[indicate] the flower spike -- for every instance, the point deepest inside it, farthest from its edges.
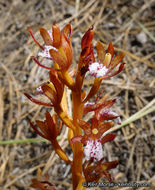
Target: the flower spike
(86, 139)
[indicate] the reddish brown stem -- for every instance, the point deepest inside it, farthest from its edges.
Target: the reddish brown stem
(77, 147)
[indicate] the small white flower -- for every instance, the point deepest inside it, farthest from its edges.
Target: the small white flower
(93, 149)
(45, 53)
(97, 70)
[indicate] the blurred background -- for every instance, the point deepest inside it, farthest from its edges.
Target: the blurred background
(130, 26)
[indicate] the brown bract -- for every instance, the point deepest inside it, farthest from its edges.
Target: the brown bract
(49, 128)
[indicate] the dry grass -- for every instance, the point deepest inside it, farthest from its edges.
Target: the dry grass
(130, 26)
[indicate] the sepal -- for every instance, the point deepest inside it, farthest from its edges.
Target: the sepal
(87, 38)
(49, 129)
(42, 182)
(34, 100)
(56, 35)
(94, 171)
(108, 138)
(46, 36)
(31, 33)
(111, 50)
(100, 52)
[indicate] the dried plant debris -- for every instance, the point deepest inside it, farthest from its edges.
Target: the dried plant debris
(116, 21)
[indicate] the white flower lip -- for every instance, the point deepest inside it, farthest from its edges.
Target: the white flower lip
(93, 149)
(97, 70)
(39, 91)
(89, 104)
(45, 53)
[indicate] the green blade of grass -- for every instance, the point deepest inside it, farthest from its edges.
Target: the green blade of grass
(25, 141)
(146, 110)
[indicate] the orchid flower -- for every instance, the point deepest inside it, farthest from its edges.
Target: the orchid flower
(86, 140)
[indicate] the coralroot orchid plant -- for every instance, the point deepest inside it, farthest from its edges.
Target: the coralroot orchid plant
(85, 139)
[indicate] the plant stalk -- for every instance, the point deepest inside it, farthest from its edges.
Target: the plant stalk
(77, 147)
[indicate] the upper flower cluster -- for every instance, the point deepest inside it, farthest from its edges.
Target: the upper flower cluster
(58, 46)
(106, 62)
